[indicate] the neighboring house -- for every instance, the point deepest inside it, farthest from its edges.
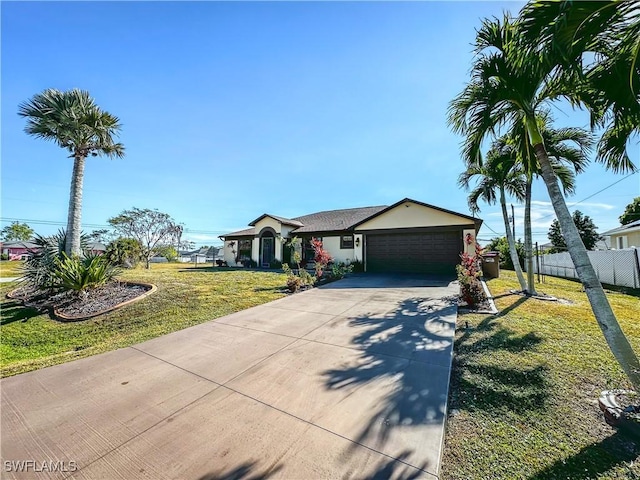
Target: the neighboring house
(625, 236)
(408, 236)
(201, 255)
(18, 250)
(96, 248)
(23, 250)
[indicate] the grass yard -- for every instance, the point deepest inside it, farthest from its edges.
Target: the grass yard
(10, 269)
(186, 296)
(525, 384)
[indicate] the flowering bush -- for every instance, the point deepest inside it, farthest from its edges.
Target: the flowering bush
(321, 258)
(469, 273)
(302, 278)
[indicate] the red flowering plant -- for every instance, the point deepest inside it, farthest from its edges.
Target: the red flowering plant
(321, 256)
(469, 273)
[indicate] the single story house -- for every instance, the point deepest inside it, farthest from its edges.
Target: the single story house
(18, 250)
(625, 236)
(408, 236)
(201, 255)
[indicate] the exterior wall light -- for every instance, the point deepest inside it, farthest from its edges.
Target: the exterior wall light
(357, 241)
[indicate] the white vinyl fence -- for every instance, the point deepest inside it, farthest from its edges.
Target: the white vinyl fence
(613, 267)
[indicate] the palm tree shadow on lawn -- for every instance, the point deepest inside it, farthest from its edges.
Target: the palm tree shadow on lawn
(16, 312)
(594, 459)
(494, 388)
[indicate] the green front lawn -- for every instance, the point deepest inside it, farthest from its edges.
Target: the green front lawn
(525, 384)
(186, 296)
(10, 269)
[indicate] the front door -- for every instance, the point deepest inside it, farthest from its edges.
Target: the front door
(268, 250)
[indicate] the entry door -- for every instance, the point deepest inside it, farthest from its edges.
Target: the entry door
(268, 250)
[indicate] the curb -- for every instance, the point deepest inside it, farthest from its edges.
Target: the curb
(69, 318)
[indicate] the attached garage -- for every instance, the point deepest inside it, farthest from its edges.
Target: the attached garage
(415, 252)
(414, 237)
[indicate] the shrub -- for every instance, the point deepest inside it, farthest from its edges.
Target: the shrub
(297, 280)
(339, 269)
(40, 269)
(275, 264)
(357, 266)
(80, 274)
(321, 256)
(499, 244)
(125, 252)
(469, 277)
(4, 256)
(293, 283)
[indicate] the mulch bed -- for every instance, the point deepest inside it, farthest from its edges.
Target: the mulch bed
(78, 306)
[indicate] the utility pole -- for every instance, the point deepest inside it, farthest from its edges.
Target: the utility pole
(513, 222)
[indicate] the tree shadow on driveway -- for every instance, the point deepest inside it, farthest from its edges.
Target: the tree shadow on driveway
(410, 347)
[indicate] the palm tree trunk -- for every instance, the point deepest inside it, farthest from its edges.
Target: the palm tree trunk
(74, 219)
(512, 242)
(528, 243)
(607, 322)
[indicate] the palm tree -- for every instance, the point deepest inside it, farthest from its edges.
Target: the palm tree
(568, 150)
(607, 81)
(73, 121)
(501, 173)
(506, 90)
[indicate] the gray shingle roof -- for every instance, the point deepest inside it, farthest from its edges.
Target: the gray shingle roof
(247, 232)
(336, 220)
(629, 226)
(333, 220)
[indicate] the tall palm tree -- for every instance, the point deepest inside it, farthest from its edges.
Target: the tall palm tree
(501, 172)
(607, 80)
(72, 120)
(568, 150)
(506, 90)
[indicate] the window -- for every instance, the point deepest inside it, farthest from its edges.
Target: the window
(244, 249)
(308, 254)
(346, 241)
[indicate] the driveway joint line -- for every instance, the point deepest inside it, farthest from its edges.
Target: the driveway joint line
(295, 339)
(319, 342)
(177, 366)
(329, 431)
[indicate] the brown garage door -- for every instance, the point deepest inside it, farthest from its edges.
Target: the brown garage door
(426, 252)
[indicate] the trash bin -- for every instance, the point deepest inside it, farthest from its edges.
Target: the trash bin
(491, 264)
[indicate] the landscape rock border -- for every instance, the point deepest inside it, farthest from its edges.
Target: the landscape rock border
(76, 318)
(70, 318)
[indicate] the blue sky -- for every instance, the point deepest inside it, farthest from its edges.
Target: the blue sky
(230, 110)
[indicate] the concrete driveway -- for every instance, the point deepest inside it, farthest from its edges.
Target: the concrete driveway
(346, 380)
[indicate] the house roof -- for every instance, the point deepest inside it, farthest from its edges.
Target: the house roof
(285, 221)
(333, 220)
(338, 220)
(96, 246)
(629, 227)
(19, 244)
(247, 232)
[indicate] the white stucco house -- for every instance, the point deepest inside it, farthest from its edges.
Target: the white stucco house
(625, 236)
(408, 236)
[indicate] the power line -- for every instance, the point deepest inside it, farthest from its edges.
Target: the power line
(590, 196)
(58, 223)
